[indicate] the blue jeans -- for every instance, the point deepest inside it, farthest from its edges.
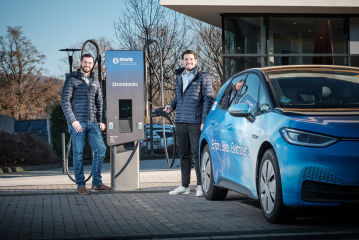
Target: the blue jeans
(92, 132)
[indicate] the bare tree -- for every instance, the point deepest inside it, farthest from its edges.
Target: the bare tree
(104, 43)
(209, 48)
(143, 20)
(23, 94)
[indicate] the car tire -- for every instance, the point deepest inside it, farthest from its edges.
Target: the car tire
(270, 190)
(210, 191)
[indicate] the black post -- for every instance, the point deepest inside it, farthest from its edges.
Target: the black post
(70, 61)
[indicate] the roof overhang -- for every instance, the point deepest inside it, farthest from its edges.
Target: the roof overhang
(210, 11)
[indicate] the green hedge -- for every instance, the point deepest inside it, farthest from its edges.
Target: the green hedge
(59, 125)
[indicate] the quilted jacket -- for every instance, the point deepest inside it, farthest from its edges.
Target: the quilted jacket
(194, 104)
(80, 101)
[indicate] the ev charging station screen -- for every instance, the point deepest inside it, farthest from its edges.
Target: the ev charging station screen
(124, 96)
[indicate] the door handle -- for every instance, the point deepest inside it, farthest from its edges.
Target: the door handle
(229, 126)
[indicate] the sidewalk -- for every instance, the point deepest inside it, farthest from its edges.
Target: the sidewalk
(44, 205)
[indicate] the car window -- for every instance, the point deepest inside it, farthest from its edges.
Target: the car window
(249, 93)
(155, 134)
(263, 103)
(231, 91)
(316, 88)
(168, 134)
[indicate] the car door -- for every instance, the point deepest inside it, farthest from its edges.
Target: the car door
(219, 123)
(241, 156)
(225, 125)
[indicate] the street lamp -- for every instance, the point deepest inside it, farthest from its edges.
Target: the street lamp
(68, 50)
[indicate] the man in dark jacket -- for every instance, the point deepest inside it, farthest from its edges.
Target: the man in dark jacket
(81, 102)
(193, 101)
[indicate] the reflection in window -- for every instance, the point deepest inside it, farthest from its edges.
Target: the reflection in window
(307, 35)
(232, 92)
(249, 93)
(244, 35)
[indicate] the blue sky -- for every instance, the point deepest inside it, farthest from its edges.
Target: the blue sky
(53, 25)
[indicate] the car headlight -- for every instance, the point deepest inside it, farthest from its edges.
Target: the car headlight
(306, 139)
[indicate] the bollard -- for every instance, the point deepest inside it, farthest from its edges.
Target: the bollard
(63, 146)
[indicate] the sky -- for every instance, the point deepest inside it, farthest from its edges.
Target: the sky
(53, 25)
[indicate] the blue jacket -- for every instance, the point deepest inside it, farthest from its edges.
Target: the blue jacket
(80, 102)
(194, 104)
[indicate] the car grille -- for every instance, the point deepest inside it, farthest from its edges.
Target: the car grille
(329, 193)
(314, 173)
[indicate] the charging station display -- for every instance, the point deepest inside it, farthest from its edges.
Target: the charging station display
(124, 96)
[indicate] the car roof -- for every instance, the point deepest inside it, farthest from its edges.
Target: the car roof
(307, 67)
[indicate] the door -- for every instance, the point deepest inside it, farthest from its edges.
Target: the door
(241, 156)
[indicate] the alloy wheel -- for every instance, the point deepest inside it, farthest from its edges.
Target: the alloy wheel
(267, 187)
(206, 171)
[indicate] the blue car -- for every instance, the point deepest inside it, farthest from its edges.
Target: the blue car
(288, 136)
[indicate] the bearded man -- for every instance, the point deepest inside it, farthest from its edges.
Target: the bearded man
(193, 101)
(82, 104)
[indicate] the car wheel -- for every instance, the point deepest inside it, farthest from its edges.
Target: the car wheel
(270, 190)
(210, 191)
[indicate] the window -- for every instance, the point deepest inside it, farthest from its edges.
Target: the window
(249, 93)
(244, 35)
(317, 88)
(231, 91)
(263, 103)
(234, 65)
(297, 35)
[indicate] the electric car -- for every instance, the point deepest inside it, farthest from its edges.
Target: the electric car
(288, 136)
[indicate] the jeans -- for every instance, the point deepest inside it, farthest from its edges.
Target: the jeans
(188, 135)
(92, 132)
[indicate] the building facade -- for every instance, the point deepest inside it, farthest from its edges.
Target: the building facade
(261, 33)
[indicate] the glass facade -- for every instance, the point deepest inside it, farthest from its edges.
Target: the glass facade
(260, 41)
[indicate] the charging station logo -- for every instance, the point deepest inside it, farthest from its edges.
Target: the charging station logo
(115, 60)
(126, 59)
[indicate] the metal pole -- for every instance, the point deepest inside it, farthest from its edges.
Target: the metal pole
(70, 62)
(63, 145)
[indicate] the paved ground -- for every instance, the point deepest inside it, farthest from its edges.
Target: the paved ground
(44, 205)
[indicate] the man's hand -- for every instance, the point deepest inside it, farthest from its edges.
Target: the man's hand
(168, 109)
(77, 126)
(102, 126)
(202, 126)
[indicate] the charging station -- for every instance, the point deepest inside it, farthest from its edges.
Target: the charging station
(125, 100)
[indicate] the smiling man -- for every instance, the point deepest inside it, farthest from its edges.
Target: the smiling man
(193, 101)
(81, 102)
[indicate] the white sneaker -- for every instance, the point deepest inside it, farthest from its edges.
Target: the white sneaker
(199, 191)
(180, 190)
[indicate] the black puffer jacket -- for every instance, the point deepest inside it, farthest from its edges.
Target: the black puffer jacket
(194, 104)
(80, 102)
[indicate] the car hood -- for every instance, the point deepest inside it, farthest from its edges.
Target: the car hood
(338, 126)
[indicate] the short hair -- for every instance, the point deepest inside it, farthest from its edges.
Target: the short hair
(87, 55)
(189, 52)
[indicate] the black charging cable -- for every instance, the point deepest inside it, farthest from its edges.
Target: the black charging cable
(158, 112)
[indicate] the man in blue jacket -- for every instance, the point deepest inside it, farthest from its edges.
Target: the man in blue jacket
(81, 102)
(193, 101)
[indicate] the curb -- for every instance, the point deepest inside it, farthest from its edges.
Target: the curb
(30, 168)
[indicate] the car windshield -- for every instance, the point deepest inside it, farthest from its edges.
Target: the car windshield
(316, 88)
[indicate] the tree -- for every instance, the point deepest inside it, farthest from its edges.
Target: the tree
(209, 48)
(143, 20)
(105, 45)
(23, 94)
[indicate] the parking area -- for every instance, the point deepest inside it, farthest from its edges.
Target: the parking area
(42, 205)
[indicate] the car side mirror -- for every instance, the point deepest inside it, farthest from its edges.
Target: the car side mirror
(241, 110)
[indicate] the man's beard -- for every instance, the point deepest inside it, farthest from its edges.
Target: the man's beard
(85, 70)
(189, 68)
